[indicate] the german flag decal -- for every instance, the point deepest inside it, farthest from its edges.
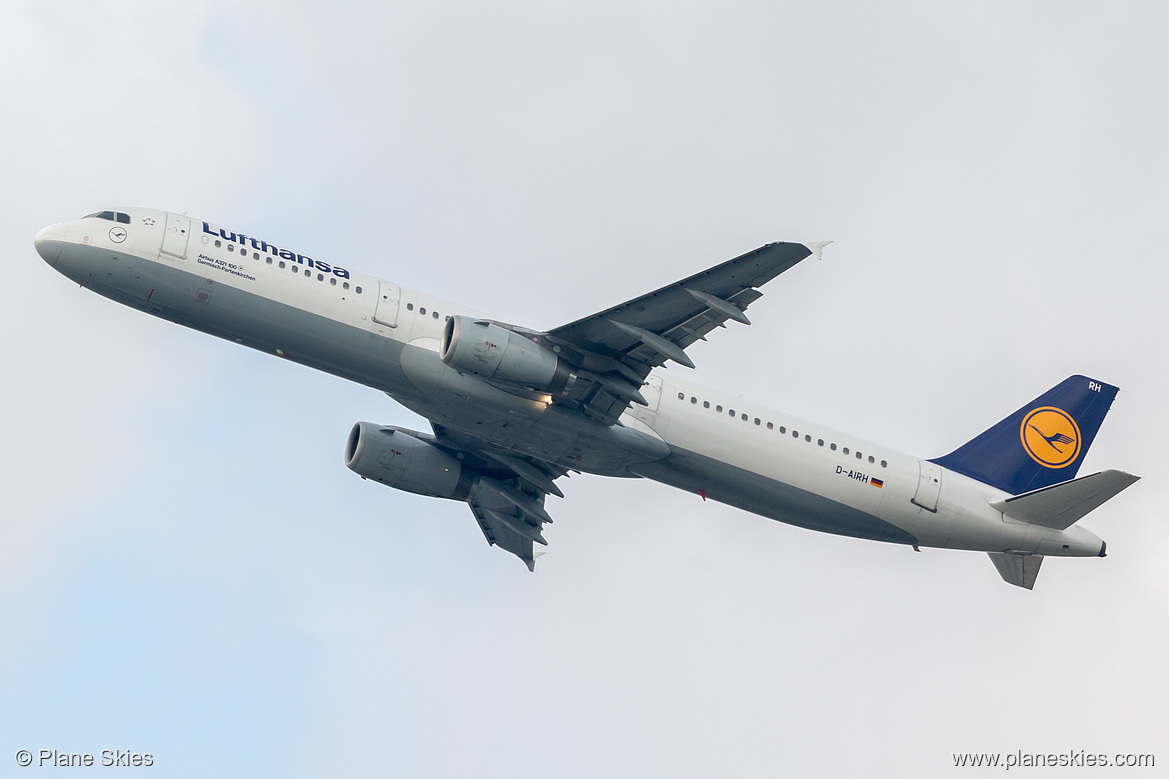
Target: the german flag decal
(877, 483)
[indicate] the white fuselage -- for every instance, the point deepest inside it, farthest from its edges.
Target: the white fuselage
(377, 333)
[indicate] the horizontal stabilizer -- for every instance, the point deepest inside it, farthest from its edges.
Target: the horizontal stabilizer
(1062, 505)
(1019, 570)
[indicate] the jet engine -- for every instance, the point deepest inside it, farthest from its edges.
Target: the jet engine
(404, 462)
(485, 349)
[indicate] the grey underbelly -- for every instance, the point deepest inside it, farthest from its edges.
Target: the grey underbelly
(768, 497)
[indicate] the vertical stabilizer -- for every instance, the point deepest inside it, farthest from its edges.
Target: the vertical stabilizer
(1041, 444)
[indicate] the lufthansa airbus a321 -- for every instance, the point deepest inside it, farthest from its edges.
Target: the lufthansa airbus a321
(513, 409)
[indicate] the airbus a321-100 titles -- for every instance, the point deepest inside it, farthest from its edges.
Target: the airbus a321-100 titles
(512, 409)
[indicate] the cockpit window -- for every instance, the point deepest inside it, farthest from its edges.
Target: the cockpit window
(113, 216)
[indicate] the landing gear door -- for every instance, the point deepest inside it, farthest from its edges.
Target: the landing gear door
(388, 298)
(175, 236)
(929, 485)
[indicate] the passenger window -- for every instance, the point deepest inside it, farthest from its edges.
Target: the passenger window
(333, 281)
(884, 464)
(218, 243)
(819, 442)
(308, 272)
(770, 426)
(434, 315)
(320, 277)
(757, 420)
(845, 450)
(808, 438)
(681, 396)
(872, 459)
(731, 411)
(832, 447)
(795, 434)
(282, 265)
(693, 399)
(357, 290)
(410, 307)
(706, 404)
(231, 247)
(744, 417)
(344, 285)
(269, 260)
(719, 409)
(422, 311)
(858, 455)
(782, 429)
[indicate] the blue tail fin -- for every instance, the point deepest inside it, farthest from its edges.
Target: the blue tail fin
(1042, 443)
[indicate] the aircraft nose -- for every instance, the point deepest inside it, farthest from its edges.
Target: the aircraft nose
(48, 242)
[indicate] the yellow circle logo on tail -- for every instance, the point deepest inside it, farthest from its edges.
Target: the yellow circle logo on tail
(1051, 437)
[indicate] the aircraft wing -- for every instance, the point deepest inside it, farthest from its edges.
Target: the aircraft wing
(508, 501)
(617, 348)
(500, 530)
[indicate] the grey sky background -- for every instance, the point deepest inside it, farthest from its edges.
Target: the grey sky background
(188, 569)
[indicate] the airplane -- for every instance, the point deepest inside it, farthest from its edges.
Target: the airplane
(513, 409)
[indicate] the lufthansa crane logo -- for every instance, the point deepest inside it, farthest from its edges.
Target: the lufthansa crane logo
(1050, 436)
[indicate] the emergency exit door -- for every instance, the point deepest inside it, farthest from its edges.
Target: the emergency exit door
(388, 297)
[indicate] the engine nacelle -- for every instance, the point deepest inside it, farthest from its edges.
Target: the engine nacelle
(474, 346)
(399, 460)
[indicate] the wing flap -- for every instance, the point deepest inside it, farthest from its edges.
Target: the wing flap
(502, 534)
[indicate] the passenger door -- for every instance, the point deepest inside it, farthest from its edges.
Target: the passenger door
(929, 485)
(176, 235)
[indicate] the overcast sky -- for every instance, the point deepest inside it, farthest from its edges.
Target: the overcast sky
(188, 569)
